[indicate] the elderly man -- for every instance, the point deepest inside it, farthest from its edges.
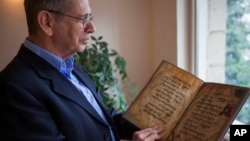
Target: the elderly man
(44, 96)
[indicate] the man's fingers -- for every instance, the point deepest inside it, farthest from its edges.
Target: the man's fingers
(149, 134)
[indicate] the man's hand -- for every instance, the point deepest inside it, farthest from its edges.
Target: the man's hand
(148, 134)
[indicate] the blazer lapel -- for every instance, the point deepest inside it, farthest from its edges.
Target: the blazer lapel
(84, 78)
(60, 84)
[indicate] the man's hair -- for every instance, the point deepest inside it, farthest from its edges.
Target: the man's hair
(33, 7)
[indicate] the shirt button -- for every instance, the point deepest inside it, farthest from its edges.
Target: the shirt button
(106, 137)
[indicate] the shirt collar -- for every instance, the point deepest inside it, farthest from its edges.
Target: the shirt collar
(64, 66)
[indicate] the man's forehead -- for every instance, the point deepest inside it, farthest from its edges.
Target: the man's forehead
(81, 7)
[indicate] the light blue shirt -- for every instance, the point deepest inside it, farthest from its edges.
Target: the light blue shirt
(66, 67)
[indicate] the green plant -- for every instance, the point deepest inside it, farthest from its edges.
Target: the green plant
(108, 71)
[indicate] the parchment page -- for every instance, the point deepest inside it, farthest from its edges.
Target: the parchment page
(163, 100)
(211, 113)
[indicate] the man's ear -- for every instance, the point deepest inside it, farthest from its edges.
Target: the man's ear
(45, 22)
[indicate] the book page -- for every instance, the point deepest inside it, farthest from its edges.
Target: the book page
(211, 113)
(163, 100)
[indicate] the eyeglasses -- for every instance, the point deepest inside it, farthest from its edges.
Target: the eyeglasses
(87, 17)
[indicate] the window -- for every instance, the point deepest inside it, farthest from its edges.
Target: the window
(223, 44)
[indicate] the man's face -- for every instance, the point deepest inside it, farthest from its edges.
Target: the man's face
(70, 35)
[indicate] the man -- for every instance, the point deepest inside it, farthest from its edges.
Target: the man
(44, 96)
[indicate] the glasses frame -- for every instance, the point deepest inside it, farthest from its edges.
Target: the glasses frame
(86, 20)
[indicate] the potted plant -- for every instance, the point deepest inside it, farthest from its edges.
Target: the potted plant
(108, 71)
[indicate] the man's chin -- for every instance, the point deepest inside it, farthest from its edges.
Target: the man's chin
(82, 48)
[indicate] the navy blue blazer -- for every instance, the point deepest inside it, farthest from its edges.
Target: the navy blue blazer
(37, 103)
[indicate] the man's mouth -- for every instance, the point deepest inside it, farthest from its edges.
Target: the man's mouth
(85, 41)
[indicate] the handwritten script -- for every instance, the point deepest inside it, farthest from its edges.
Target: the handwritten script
(168, 94)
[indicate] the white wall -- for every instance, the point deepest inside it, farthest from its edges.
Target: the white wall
(142, 31)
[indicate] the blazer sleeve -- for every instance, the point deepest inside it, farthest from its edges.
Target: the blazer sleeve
(125, 128)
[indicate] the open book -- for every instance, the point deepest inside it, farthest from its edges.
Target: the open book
(186, 107)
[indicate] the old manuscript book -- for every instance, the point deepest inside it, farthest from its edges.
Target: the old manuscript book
(186, 107)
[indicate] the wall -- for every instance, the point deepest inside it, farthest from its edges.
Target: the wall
(164, 31)
(13, 29)
(126, 25)
(142, 31)
(216, 60)
(211, 40)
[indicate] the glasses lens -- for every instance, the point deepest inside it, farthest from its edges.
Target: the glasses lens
(87, 19)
